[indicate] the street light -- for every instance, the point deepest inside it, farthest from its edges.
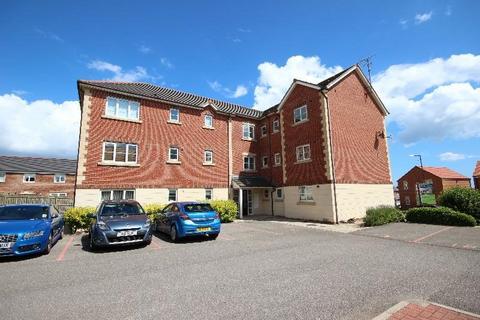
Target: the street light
(418, 156)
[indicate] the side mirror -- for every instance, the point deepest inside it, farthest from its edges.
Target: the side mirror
(91, 215)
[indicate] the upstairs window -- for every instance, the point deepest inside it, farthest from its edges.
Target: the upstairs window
(405, 185)
(300, 114)
(208, 121)
(276, 125)
(123, 109)
(173, 154)
(264, 162)
(305, 193)
(174, 115)
(29, 177)
(249, 162)
(117, 152)
(248, 131)
(3, 176)
(208, 157)
(59, 178)
(278, 159)
(303, 153)
(264, 130)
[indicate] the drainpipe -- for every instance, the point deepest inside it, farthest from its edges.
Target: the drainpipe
(271, 200)
(332, 159)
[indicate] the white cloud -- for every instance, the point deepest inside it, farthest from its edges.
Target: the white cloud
(38, 127)
(433, 100)
(403, 23)
(424, 17)
(137, 74)
(144, 49)
(274, 81)
(451, 156)
(239, 91)
(448, 11)
(48, 35)
(164, 61)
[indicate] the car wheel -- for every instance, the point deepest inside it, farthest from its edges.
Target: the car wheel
(173, 233)
(213, 236)
(49, 244)
(61, 233)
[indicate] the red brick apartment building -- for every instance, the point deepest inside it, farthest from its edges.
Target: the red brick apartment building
(37, 176)
(476, 176)
(319, 154)
(440, 178)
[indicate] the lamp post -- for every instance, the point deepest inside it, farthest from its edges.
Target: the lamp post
(419, 156)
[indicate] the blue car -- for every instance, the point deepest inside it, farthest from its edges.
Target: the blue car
(119, 222)
(182, 219)
(29, 228)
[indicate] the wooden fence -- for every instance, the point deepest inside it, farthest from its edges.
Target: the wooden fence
(62, 204)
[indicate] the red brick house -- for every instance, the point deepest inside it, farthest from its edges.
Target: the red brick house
(319, 154)
(37, 176)
(439, 178)
(476, 176)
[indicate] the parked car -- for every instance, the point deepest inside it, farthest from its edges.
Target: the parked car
(119, 222)
(29, 228)
(182, 219)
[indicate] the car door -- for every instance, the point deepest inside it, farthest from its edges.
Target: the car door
(172, 215)
(162, 219)
(55, 218)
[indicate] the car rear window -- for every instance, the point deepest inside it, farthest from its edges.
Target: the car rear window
(23, 213)
(119, 209)
(199, 207)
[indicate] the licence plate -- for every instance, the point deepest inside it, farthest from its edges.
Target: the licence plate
(204, 229)
(5, 245)
(127, 233)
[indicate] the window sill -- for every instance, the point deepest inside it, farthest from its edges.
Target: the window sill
(29, 182)
(251, 140)
(178, 123)
(303, 161)
(209, 164)
(277, 165)
(274, 132)
(208, 128)
(249, 170)
(306, 202)
(265, 167)
(118, 164)
(299, 122)
(120, 119)
(263, 136)
(174, 162)
(60, 182)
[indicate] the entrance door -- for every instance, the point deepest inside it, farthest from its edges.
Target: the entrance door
(247, 202)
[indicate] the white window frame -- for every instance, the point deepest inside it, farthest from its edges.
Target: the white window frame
(27, 178)
(176, 195)
(170, 159)
(278, 159)
(252, 157)
(249, 129)
(305, 193)
(57, 194)
(205, 154)
(300, 152)
(59, 176)
(3, 176)
(263, 130)
(302, 116)
(405, 185)
(407, 200)
(275, 126)
(170, 119)
(265, 162)
(124, 193)
(205, 124)
(117, 106)
(208, 190)
(128, 146)
(281, 193)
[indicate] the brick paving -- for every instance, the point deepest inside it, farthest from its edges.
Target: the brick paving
(414, 311)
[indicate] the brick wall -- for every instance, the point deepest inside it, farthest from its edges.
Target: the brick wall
(360, 155)
(43, 185)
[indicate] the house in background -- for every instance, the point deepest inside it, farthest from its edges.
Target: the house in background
(320, 153)
(476, 176)
(37, 176)
(429, 182)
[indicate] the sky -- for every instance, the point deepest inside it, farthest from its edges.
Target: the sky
(425, 63)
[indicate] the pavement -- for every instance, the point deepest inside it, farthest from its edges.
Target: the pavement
(254, 270)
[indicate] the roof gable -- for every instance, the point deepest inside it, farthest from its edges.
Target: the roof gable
(444, 173)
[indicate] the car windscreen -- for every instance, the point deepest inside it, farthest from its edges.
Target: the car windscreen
(197, 207)
(23, 213)
(120, 209)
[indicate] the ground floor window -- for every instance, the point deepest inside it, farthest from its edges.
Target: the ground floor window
(407, 200)
(118, 194)
(58, 194)
(279, 193)
(266, 194)
(208, 194)
(305, 193)
(172, 194)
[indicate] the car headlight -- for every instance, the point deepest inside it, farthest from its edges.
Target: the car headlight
(33, 234)
(102, 225)
(147, 224)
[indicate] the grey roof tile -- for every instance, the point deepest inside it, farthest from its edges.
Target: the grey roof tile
(37, 165)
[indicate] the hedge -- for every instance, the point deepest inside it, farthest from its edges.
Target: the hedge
(227, 209)
(465, 200)
(77, 218)
(439, 215)
(383, 215)
(153, 209)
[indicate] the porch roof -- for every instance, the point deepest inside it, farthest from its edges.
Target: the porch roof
(251, 182)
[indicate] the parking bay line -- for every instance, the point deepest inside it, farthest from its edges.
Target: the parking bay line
(64, 250)
(430, 235)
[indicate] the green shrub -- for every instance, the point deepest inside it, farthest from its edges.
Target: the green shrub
(77, 218)
(153, 209)
(439, 215)
(465, 200)
(383, 215)
(227, 209)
